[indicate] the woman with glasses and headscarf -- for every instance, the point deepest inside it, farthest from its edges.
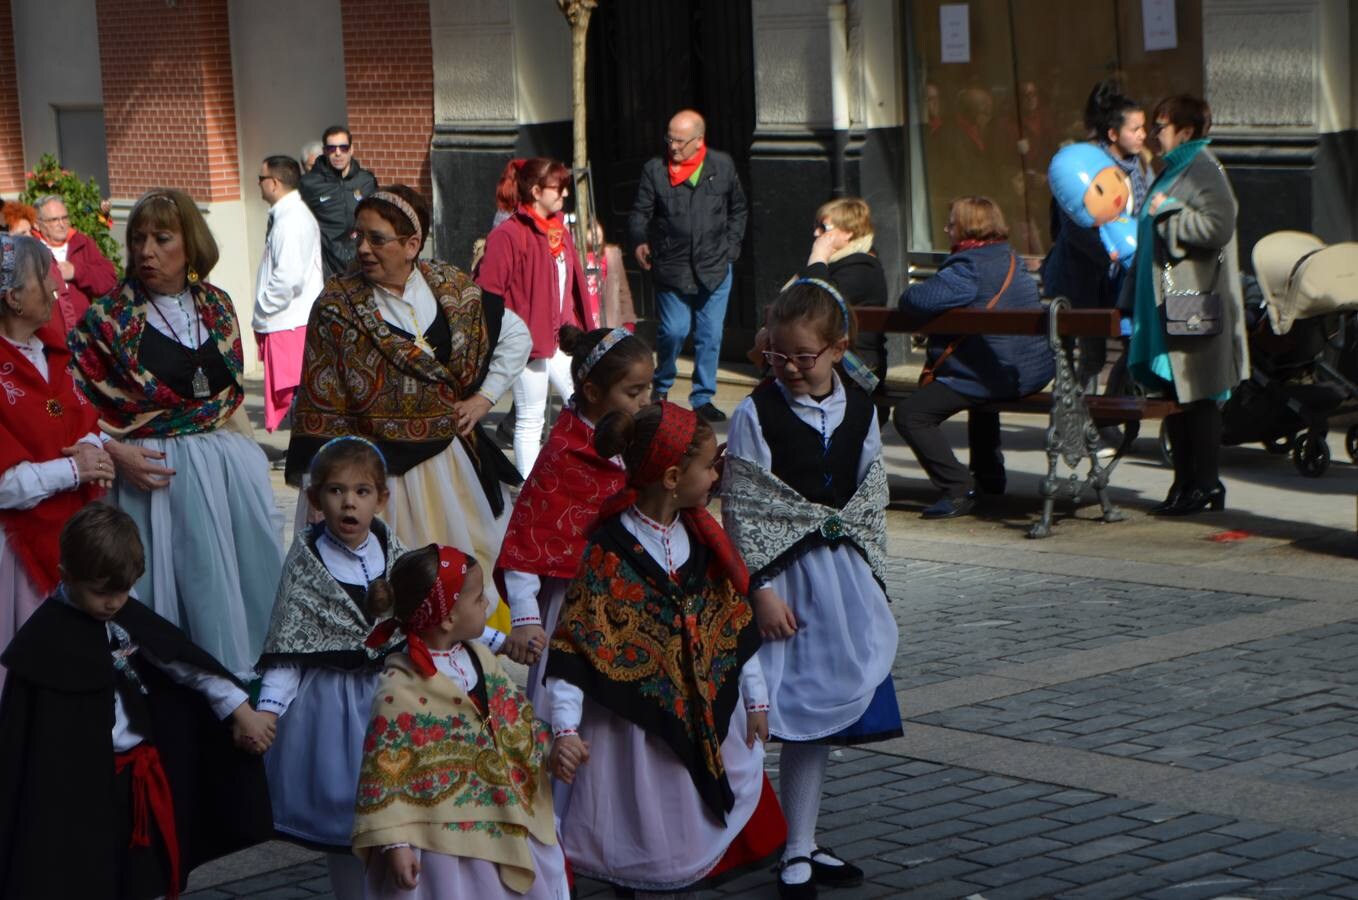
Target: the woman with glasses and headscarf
(411, 354)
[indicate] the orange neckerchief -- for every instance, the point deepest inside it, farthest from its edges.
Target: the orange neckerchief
(553, 228)
(681, 172)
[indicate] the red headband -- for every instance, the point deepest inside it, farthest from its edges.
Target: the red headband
(437, 604)
(670, 444)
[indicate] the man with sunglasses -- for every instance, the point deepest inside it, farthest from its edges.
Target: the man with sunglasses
(687, 224)
(332, 189)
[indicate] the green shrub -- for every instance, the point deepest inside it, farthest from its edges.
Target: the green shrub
(83, 203)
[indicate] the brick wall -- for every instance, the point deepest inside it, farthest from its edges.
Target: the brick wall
(169, 103)
(389, 81)
(11, 132)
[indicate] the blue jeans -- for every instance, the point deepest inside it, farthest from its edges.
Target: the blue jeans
(703, 312)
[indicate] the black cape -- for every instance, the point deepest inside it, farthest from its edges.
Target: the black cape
(57, 799)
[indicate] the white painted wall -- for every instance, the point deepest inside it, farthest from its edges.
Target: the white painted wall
(56, 50)
(542, 59)
(287, 61)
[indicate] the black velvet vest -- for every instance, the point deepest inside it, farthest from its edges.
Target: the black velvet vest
(824, 475)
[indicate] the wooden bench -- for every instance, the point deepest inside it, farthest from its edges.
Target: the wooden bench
(1075, 420)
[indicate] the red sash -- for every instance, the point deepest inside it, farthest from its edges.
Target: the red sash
(151, 798)
(37, 419)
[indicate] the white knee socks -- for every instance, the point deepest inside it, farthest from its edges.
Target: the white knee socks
(801, 774)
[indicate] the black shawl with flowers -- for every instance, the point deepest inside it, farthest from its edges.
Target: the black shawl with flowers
(664, 654)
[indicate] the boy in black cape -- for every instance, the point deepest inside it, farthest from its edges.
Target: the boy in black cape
(118, 773)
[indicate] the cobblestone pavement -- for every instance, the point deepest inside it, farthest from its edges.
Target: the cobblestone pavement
(1072, 736)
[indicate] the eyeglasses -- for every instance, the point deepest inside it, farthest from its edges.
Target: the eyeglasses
(560, 187)
(66, 219)
(375, 240)
(336, 148)
(802, 361)
(264, 178)
(679, 142)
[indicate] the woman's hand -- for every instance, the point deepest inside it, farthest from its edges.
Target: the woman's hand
(774, 618)
(404, 867)
(826, 245)
(137, 466)
(756, 726)
(525, 643)
(91, 463)
(469, 412)
(569, 753)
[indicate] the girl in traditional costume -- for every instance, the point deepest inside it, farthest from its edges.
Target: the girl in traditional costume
(656, 697)
(319, 673)
(52, 460)
(410, 354)
(612, 371)
(453, 798)
(804, 498)
(160, 359)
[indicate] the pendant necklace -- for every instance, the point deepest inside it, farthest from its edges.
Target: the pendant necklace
(200, 386)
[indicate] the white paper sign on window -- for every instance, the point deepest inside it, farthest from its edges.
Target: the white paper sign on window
(954, 32)
(1157, 24)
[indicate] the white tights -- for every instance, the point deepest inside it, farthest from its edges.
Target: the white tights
(801, 775)
(530, 404)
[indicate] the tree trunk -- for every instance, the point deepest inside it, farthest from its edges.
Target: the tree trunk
(577, 13)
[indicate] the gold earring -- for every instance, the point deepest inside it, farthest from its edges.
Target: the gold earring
(193, 275)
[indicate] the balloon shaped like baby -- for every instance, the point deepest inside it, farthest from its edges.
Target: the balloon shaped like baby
(1088, 184)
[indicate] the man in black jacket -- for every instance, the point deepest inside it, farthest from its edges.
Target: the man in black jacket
(332, 190)
(687, 224)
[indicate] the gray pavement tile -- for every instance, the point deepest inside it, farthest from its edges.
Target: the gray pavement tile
(1340, 847)
(1194, 867)
(1027, 888)
(1346, 867)
(1211, 887)
(1101, 869)
(927, 873)
(258, 884)
(925, 799)
(208, 894)
(939, 890)
(1014, 794)
(1247, 831)
(1156, 813)
(1107, 806)
(936, 831)
(1001, 854)
(1094, 829)
(1023, 810)
(1012, 831)
(1130, 885)
(1072, 797)
(1182, 826)
(1191, 845)
(1276, 844)
(1089, 851)
(1018, 870)
(922, 853)
(928, 816)
(1283, 866)
(1307, 884)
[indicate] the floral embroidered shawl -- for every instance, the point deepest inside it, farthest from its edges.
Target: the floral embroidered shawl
(38, 417)
(313, 616)
(359, 377)
(559, 502)
(665, 656)
(131, 401)
(443, 772)
(770, 521)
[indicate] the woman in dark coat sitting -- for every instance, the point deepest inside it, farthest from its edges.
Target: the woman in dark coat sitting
(966, 372)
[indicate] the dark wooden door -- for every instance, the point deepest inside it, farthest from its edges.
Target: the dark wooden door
(647, 60)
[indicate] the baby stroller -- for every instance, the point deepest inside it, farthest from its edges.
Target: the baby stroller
(1303, 340)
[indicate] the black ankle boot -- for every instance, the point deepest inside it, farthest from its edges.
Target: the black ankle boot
(1172, 499)
(1196, 500)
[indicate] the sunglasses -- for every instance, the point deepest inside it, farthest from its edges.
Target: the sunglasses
(336, 148)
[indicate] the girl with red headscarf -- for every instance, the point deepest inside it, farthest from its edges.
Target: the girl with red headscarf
(657, 701)
(453, 798)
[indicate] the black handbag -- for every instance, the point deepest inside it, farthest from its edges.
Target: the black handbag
(1192, 313)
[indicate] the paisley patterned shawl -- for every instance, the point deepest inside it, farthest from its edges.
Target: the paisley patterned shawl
(313, 616)
(665, 656)
(442, 775)
(359, 377)
(559, 501)
(38, 417)
(771, 522)
(131, 401)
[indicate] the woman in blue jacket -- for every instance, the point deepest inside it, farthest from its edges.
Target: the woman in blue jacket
(967, 372)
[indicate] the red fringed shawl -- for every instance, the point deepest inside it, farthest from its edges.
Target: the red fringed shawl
(561, 499)
(37, 419)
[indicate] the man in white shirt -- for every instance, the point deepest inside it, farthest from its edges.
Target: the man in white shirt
(289, 281)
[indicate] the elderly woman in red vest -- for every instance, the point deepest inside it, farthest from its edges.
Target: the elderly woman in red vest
(531, 262)
(52, 461)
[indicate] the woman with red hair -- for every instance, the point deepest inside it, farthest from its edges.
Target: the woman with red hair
(531, 262)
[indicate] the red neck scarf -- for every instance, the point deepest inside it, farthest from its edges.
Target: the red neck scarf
(435, 607)
(668, 448)
(70, 233)
(973, 243)
(552, 228)
(681, 172)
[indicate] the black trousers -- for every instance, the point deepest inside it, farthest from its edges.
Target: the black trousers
(1195, 444)
(918, 418)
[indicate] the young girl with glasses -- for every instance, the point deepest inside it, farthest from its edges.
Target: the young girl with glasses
(804, 497)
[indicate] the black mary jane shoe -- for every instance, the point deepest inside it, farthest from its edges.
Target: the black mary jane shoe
(1196, 500)
(846, 874)
(1172, 499)
(802, 890)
